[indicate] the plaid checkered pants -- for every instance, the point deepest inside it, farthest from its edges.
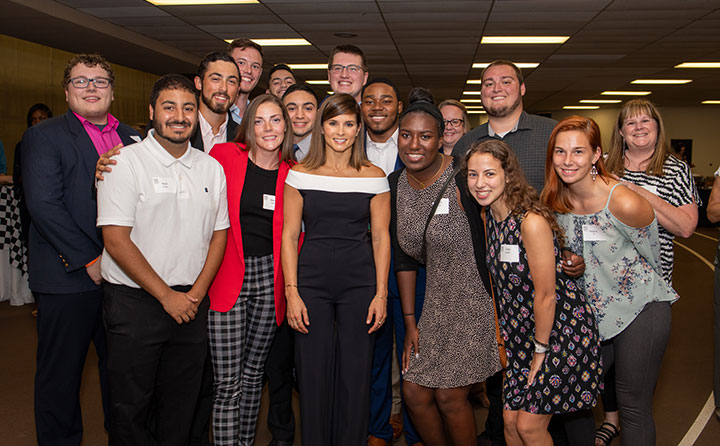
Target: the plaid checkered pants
(240, 340)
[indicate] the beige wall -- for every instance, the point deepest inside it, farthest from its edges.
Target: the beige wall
(31, 73)
(701, 124)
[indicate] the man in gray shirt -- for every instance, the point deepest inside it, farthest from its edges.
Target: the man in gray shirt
(501, 94)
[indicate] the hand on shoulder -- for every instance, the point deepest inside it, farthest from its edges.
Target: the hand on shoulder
(630, 208)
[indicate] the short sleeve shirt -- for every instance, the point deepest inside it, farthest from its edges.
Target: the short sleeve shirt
(173, 206)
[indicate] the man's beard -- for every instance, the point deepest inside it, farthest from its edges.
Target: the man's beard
(217, 108)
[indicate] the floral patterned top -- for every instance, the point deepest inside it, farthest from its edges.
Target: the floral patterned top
(622, 266)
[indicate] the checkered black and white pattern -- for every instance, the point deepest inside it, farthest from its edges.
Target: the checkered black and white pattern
(239, 343)
(10, 229)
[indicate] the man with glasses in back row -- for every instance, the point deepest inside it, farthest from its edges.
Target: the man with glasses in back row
(58, 166)
(347, 70)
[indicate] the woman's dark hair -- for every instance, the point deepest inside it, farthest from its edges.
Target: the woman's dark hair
(36, 107)
(420, 100)
(246, 132)
(334, 106)
(520, 197)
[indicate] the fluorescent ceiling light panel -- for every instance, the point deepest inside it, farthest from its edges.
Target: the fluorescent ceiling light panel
(711, 101)
(200, 2)
(625, 93)
(472, 92)
(318, 82)
(471, 100)
(698, 65)
(308, 66)
(524, 39)
(474, 107)
(600, 101)
(280, 42)
(581, 107)
(476, 112)
(517, 64)
(661, 81)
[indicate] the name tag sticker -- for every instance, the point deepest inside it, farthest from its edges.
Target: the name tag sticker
(651, 189)
(509, 253)
(164, 185)
(269, 202)
(443, 207)
(592, 233)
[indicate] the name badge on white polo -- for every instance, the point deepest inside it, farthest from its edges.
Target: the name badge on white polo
(509, 253)
(164, 185)
(651, 189)
(592, 233)
(269, 202)
(443, 207)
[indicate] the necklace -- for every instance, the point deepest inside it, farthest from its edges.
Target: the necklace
(422, 184)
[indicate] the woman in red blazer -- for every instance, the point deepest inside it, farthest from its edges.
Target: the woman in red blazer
(247, 299)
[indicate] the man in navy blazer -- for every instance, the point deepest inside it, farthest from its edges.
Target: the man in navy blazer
(218, 81)
(58, 166)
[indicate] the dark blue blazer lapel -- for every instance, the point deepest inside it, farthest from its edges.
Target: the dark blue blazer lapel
(83, 144)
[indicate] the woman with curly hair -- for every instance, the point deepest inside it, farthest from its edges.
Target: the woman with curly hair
(549, 328)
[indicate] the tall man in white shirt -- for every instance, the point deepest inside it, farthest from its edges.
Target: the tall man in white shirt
(163, 214)
(301, 102)
(249, 58)
(218, 80)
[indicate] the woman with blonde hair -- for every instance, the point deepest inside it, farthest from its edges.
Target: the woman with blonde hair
(457, 123)
(640, 158)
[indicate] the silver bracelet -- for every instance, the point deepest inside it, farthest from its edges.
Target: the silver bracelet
(540, 347)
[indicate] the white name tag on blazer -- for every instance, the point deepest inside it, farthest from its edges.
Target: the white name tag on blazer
(269, 202)
(592, 233)
(509, 253)
(651, 189)
(443, 207)
(164, 185)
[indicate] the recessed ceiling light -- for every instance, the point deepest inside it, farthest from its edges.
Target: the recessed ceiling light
(661, 81)
(308, 66)
(698, 65)
(318, 82)
(199, 2)
(600, 101)
(279, 42)
(711, 101)
(626, 93)
(524, 39)
(472, 92)
(474, 107)
(476, 112)
(581, 107)
(471, 100)
(517, 64)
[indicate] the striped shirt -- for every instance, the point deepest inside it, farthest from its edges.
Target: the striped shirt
(677, 188)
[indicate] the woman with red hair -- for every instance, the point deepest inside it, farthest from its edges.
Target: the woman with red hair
(616, 232)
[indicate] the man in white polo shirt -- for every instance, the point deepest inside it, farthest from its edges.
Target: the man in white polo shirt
(163, 213)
